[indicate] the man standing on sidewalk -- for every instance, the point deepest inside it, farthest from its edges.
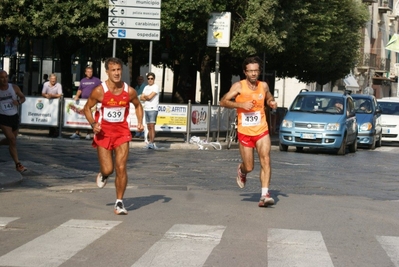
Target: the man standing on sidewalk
(251, 96)
(52, 89)
(87, 84)
(11, 97)
(151, 97)
(111, 129)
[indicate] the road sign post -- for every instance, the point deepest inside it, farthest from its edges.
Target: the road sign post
(134, 19)
(218, 36)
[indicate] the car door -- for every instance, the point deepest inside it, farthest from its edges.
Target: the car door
(351, 124)
(377, 117)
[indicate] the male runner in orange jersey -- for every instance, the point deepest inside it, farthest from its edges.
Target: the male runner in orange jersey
(111, 129)
(251, 96)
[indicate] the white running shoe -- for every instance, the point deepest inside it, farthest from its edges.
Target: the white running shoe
(266, 200)
(75, 136)
(88, 137)
(101, 180)
(120, 208)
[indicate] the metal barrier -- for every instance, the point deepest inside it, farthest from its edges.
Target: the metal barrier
(174, 118)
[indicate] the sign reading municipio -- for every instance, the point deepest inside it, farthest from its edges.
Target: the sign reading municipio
(219, 29)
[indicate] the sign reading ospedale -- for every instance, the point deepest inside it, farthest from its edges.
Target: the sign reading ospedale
(134, 19)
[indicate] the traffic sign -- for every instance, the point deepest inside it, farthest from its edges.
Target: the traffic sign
(219, 29)
(134, 19)
(121, 33)
(132, 23)
(136, 3)
(134, 12)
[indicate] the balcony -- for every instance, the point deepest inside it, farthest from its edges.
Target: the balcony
(385, 5)
(371, 61)
(369, 2)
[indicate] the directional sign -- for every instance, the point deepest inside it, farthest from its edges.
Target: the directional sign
(131, 23)
(136, 3)
(219, 29)
(134, 19)
(134, 12)
(152, 35)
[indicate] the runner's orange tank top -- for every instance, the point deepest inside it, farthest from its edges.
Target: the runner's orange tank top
(251, 122)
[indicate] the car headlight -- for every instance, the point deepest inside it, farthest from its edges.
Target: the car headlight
(333, 127)
(286, 124)
(366, 126)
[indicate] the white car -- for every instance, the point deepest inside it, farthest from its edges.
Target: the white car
(389, 118)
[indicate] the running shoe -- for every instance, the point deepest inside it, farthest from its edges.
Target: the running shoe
(75, 136)
(241, 177)
(20, 168)
(101, 180)
(120, 209)
(266, 200)
(150, 146)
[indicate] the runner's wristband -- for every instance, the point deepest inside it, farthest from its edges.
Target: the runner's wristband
(92, 125)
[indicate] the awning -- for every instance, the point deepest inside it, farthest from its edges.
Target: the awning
(350, 82)
(393, 44)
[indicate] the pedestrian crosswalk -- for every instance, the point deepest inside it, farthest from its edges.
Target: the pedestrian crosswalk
(183, 245)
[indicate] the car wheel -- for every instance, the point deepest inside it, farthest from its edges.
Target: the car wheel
(283, 147)
(373, 145)
(353, 146)
(299, 148)
(379, 142)
(342, 149)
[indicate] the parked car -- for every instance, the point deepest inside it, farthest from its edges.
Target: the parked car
(321, 120)
(368, 116)
(389, 118)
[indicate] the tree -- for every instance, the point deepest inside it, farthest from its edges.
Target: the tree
(312, 40)
(322, 39)
(71, 24)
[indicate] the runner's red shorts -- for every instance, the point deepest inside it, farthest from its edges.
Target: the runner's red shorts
(250, 141)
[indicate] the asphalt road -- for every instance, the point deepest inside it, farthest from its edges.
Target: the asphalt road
(186, 210)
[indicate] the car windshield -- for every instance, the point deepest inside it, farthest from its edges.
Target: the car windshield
(318, 104)
(363, 105)
(389, 108)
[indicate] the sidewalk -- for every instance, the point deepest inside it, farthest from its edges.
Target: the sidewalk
(9, 176)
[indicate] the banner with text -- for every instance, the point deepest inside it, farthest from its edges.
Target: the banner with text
(40, 111)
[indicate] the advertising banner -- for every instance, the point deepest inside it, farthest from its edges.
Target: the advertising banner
(171, 118)
(40, 111)
(74, 116)
(199, 118)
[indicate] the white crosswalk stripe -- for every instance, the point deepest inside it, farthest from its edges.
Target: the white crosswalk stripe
(296, 248)
(58, 245)
(6, 220)
(183, 245)
(391, 246)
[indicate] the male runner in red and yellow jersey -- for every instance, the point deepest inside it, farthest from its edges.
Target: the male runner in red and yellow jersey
(251, 96)
(111, 129)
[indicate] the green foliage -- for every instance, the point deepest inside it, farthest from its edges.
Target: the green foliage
(323, 39)
(312, 40)
(85, 20)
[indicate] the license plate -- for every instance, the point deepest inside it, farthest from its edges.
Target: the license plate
(308, 136)
(386, 131)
